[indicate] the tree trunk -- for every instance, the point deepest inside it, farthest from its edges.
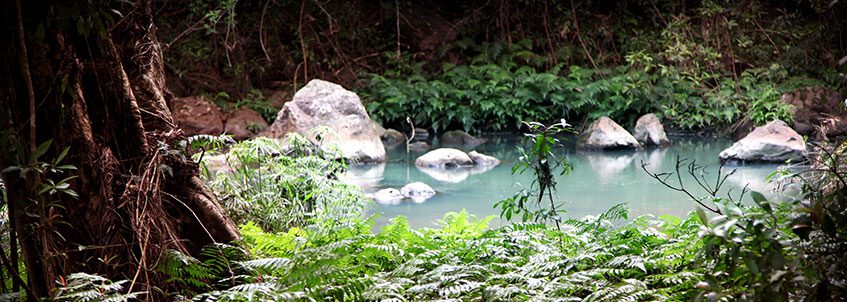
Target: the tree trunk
(97, 87)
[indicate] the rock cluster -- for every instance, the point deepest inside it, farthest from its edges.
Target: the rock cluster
(416, 191)
(196, 115)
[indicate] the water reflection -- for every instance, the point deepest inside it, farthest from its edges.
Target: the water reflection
(455, 175)
(598, 181)
(608, 166)
(366, 176)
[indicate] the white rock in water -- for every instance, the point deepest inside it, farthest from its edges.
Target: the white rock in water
(444, 158)
(774, 142)
(417, 191)
(388, 196)
(482, 160)
(649, 130)
(605, 134)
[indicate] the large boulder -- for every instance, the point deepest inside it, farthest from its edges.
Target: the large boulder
(324, 104)
(649, 131)
(444, 158)
(605, 134)
(417, 191)
(774, 142)
(817, 109)
(461, 138)
(244, 123)
(196, 115)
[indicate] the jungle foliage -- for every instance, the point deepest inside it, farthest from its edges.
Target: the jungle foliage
(504, 86)
(701, 64)
(725, 250)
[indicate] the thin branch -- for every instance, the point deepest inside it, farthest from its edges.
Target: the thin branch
(262, 30)
(681, 184)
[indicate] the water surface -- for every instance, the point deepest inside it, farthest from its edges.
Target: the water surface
(598, 181)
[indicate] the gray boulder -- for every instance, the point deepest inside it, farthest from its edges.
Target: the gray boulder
(482, 160)
(324, 104)
(649, 131)
(605, 134)
(444, 158)
(417, 191)
(461, 138)
(774, 142)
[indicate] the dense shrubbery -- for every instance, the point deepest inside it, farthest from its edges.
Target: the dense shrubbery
(758, 251)
(740, 251)
(502, 87)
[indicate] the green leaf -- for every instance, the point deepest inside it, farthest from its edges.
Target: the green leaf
(761, 201)
(41, 150)
(702, 215)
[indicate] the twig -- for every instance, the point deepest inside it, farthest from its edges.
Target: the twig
(262, 31)
(302, 42)
(681, 185)
(579, 37)
(397, 12)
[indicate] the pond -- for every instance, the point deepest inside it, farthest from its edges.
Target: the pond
(597, 182)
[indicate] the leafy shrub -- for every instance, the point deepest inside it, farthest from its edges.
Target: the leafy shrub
(642, 260)
(278, 192)
(503, 86)
(80, 287)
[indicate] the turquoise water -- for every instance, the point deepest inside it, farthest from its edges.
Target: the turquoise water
(598, 180)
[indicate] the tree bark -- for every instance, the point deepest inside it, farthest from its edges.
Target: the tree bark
(98, 81)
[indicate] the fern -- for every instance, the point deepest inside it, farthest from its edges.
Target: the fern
(82, 287)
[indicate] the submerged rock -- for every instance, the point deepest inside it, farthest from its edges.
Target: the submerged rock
(461, 138)
(244, 123)
(324, 104)
(605, 134)
(774, 142)
(419, 146)
(196, 115)
(482, 160)
(388, 196)
(417, 191)
(649, 131)
(421, 134)
(444, 158)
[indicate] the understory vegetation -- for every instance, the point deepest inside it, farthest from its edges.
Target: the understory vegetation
(506, 85)
(488, 65)
(319, 246)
